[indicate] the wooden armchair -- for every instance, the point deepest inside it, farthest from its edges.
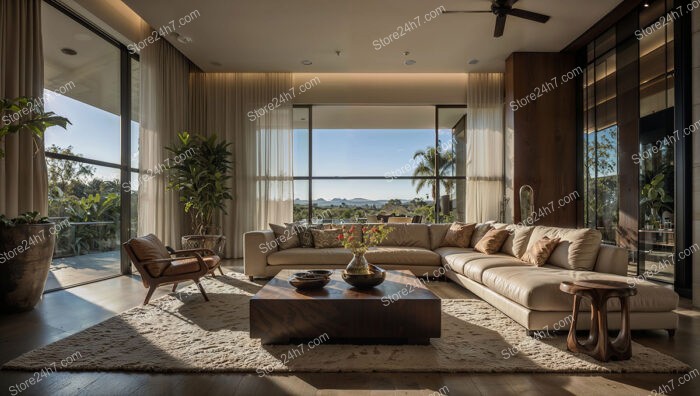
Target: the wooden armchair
(159, 265)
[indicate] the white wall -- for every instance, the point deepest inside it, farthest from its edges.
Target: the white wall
(383, 88)
(696, 156)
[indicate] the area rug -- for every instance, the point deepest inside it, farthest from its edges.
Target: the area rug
(183, 333)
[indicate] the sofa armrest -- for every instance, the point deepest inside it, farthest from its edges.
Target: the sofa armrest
(257, 245)
(612, 260)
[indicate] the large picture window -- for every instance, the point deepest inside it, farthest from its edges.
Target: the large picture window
(91, 80)
(358, 163)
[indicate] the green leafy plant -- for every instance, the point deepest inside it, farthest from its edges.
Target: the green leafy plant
(24, 218)
(27, 114)
(654, 198)
(199, 174)
(425, 162)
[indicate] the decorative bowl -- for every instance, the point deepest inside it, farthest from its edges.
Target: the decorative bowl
(375, 278)
(309, 279)
(323, 273)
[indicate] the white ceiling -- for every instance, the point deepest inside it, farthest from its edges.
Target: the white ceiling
(276, 35)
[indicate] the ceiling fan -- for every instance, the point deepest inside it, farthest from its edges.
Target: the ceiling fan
(503, 8)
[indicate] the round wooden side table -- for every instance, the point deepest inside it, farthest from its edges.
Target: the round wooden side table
(598, 344)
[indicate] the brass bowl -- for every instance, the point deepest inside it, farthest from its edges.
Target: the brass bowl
(375, 278)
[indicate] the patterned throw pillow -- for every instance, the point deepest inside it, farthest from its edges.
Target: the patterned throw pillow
(325, 239)
(285, 236)
(304, 231)
(540, 251)
(491, 242)
(459, 235)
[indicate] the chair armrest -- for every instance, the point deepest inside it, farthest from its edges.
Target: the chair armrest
(257, 245)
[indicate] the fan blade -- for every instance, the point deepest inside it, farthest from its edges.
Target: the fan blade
(511, 2)
(533, 16)
(467, 12)
(500, 25)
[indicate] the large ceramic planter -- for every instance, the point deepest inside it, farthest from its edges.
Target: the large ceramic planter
(25, 256)
(213, 242)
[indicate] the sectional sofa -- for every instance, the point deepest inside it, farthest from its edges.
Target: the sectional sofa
(528, 294)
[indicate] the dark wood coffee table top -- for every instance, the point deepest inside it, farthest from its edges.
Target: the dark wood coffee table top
(400, 310)
(397, 281)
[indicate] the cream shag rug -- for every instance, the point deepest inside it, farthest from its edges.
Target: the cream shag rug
(182, 333)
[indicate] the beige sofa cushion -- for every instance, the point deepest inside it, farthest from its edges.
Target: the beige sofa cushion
(537, 288)
(408, 235)
(455, 257)
(516, 244)
(474, 267)
(310, 256)
(402, 255)
(578, 248)
(437, 234)
(479, 231)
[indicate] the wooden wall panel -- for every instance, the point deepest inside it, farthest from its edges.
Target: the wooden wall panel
(544, 132)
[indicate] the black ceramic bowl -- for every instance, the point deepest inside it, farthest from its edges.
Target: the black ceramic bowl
(307, 281)
(375, 278)
(323, 273)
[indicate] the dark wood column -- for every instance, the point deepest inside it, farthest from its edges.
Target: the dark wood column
(543, 138)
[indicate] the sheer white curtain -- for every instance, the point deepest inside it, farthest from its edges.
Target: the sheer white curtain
(164, 113)
(224, 104)
(485, 139)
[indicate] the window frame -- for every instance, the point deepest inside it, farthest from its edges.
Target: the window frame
(311, 178)
(124, 167)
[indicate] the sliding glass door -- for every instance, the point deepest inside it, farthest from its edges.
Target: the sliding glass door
(89, 79)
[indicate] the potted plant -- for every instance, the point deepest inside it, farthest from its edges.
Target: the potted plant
(655, 198)
(199, 174)
(27, 241)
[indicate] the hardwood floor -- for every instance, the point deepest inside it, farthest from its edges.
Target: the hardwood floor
(63, 313)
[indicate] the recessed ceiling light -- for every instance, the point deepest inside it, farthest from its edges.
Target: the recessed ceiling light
(184, 39)
(306, 62)
(405, 53)
(646, 4)
(69, 51)
(473, 61)
(409, 62)
(217, 64)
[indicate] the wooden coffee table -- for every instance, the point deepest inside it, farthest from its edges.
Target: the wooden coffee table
(399, 311)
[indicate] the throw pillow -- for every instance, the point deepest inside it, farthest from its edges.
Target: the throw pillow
(479, 231)
(458, 235)
(286, 236)
(492, 242)
(540, 251)
(325, 239)
(306, 239)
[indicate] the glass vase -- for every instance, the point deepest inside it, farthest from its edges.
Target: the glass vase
(358, 265)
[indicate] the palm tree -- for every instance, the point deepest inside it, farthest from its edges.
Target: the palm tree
(426, 167)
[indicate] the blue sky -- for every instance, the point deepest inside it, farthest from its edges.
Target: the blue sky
(337, 152)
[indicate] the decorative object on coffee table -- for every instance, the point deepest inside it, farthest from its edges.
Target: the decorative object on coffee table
(598, 345)
(359, 240)
(307, 280)
(387, 314)
(361, 281)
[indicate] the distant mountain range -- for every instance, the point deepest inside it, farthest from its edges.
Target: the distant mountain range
(324, 203)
